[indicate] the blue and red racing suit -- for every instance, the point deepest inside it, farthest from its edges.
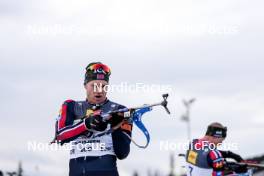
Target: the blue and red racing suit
(95, 156)
(203, 161)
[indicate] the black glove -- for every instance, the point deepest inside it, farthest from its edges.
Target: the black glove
(116, 119)
(95, 123)
(235, 167)
(241, 169)
(229, 154)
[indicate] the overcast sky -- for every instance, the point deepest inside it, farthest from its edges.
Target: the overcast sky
(210, 50)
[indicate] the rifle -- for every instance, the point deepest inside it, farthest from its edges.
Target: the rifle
(134, 115)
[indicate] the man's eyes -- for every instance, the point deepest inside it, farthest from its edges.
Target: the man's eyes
(96, 85)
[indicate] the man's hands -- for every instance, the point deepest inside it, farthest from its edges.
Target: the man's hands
(95, 122)
(116, 119)
(241, 169)
(238, 168)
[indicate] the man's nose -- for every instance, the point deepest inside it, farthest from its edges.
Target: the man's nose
(99, 90)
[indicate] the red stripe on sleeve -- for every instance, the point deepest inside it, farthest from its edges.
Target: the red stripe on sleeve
(213, 155)
(63, 116)
(62, 120)
(72, 132)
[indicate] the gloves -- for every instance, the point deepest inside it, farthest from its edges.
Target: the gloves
(116, 119)
(241, 169)
(95, 123)
(232, 167)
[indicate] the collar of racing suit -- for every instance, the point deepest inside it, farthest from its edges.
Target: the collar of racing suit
(96, 106)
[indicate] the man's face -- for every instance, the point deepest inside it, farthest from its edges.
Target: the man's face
(96, 91)
(217, 141)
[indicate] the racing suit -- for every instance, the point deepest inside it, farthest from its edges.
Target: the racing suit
(92, 156)
(203, 161)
